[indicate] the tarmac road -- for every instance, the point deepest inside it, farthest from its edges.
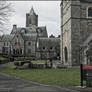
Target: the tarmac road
(12, 84)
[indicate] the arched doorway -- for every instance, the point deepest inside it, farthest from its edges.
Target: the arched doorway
(66, 54)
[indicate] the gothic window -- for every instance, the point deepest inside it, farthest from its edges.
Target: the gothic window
(51, 48)
(20, 51)
(17, 51)
(66, 54)
(13, 51)
(4, 43)
(17, 36)
(90, 12)
(43, 48)
(15, 43)
(29, 43)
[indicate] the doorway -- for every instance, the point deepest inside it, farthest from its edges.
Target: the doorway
(66, 54)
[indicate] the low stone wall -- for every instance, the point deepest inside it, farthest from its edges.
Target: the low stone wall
(24, 64)
(38, 66)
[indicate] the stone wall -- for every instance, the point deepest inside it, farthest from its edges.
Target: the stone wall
(75, 28)
(18, 38)
(30, 49)
(66, 32)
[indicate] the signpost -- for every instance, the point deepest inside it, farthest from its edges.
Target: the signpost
(86, 73)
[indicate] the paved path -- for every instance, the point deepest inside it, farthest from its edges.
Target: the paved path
(12, 84)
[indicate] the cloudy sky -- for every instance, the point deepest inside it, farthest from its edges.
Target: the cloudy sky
(48, 14)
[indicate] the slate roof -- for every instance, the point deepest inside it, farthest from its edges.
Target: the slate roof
(48, 42)
(29, 37)
(31, 33)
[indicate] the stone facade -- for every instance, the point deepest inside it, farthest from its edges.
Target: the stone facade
(86, 51)
(75, 29)
(23, 41)
(50, 48)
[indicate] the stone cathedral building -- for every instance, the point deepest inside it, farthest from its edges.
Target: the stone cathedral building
(31, 40)
(76, 30)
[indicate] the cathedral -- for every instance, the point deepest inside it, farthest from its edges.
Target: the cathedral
(31, 41)
(76, 31)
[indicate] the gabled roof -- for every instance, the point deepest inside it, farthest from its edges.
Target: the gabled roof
(7, 37)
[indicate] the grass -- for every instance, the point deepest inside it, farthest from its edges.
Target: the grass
(38, 61)
(61, 77)
(29, 59)
(3, 59)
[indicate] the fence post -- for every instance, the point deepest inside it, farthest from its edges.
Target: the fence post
(81, 73)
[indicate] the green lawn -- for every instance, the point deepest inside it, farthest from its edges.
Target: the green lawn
(61, 77)
(38, 61)
(3, 59)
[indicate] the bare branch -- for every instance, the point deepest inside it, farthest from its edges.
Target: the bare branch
(5, 13)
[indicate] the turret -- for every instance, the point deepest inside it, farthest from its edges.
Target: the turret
(31, 18)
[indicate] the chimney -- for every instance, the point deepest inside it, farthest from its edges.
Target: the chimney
(14, 29)
(14, 26)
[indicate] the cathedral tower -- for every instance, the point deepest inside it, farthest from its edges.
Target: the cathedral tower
(31, 18)
(76, 26)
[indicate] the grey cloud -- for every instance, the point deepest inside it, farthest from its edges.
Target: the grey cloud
(48, 12)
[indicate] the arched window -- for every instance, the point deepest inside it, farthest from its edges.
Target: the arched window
(43, 48)
(17, 36)
(29, 43)
(90, 12)
(66, 54)
(20, 51)
(13, 51)
(51, 48)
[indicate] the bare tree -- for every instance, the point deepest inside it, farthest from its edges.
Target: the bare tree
(5, 13)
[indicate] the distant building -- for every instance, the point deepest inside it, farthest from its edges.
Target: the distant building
(76, 27)
(48, 48)
(24, 41)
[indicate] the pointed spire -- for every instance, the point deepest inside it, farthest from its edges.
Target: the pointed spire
(32, 11)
